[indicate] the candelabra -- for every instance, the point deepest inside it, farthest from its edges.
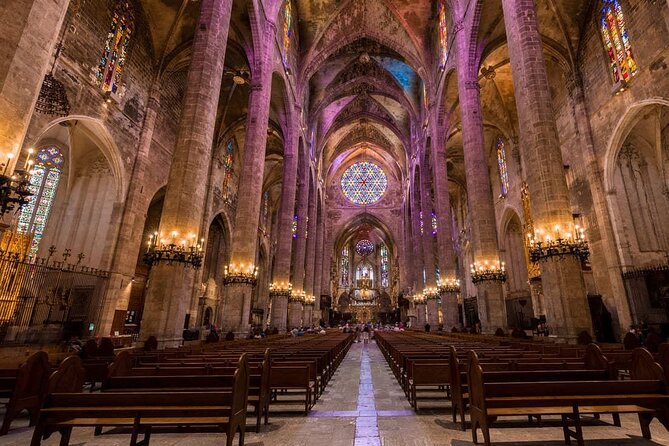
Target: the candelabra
(298, 296)
(280, 289)
(240, 273)
(15, 187)
(419, 299)
(449, 286)
(309, 299)
(558, 245)
(488, 272)
(159, 250)
(430, 293)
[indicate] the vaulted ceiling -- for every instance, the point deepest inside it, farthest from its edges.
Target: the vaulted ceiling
(362, 65)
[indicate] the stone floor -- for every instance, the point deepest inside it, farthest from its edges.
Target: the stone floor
(364, 406)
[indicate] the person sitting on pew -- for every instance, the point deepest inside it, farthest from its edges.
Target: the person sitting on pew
(427, 327)
(229, 336)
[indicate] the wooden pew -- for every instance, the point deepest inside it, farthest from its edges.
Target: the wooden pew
(205, 377)
(143, 410)
(26, 389)
(427, 374)
(293, 377)
(646, 395)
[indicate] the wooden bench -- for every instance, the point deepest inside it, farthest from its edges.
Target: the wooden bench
(646, 395)
(294, 377)
(143, 410)
(427, 374)
(25, 389)
(174, 378)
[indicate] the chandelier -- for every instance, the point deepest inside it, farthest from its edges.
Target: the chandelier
(15, 186)
(278, 289)
(488, 272)
(298, 296)
(430, 293)
(160, 251)
(559, 245)
(419, 299)
(240, 273)
(52, 99)
(449, 286)
(309, 299)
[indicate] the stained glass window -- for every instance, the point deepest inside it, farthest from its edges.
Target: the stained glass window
(228, 167)
(617, 42)
(265, 210)
(287, 29)
(43, 185)
(114, 55)
(364, 183)
(426, 100)
(501, 167)
(294, 227)
(384, 266)
(443, 35)
(364, 247)
(344, 266)
(433, 219)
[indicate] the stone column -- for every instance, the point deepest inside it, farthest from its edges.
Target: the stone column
(129, 242)
(236, 308)
(170, 286)
(620, 308)
(484, 244)
(308, 315)
(418, 283)
(281, 279)
(433, 310)
(567, 310)
(421, 315)
(30, 31)
(442, 208)
(318, 278)
(312, 235)
(295, 308)
(326, 284)
(427, 238)
(302, 213)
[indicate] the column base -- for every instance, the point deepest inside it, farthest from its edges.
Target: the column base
(236, 309)
(449, 310)
(167, 300)
(565, 297)
(433, 313)
(491, 305)
(279, 312)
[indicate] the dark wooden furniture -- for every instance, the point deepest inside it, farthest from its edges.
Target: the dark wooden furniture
(143, 410)
(645, 395)
(25, 388)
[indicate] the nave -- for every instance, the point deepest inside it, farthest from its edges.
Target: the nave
(364, 405)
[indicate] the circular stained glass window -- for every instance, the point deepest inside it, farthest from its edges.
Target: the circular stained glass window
(364, 247)
(364, 183)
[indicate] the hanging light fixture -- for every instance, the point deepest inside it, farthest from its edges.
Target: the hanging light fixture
(52, 99)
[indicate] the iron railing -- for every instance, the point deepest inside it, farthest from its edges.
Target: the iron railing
(45, 300)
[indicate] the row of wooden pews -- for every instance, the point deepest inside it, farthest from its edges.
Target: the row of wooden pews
(496, 378)
(208, 385)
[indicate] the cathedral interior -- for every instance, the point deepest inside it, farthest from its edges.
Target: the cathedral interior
(183, 171)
